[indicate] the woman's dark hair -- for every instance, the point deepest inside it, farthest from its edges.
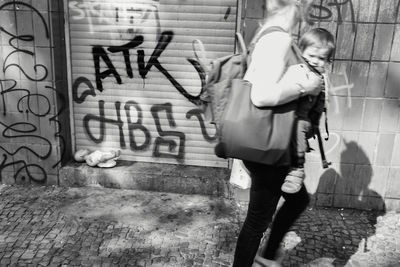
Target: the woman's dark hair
(319, 37)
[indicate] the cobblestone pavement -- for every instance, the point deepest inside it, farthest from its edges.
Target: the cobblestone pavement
(53, 226)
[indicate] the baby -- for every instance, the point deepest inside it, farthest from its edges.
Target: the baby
(317, 47)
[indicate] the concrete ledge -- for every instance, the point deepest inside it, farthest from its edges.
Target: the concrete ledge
(151, 177)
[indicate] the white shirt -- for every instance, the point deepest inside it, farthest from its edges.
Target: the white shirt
(268, 64)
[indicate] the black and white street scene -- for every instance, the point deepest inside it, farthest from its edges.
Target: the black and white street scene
(204, 133)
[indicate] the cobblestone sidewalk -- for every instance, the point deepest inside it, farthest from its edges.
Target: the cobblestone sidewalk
(53, 226)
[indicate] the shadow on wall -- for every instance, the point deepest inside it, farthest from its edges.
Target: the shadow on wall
(393, 80)
(350, 187)
(339, 235)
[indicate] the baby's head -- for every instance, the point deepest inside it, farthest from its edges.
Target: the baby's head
(317, 46)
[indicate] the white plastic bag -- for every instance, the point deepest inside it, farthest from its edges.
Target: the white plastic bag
(240, 176)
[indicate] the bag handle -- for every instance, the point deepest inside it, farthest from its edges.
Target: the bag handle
(241, 44)
(242, 51)
(200, 54)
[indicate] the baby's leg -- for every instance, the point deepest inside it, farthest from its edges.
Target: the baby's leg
(294, 179)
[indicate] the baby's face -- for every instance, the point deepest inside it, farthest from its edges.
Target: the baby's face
(317, 57)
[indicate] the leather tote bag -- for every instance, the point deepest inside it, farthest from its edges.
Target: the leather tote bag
(255, 134)
(261, 135)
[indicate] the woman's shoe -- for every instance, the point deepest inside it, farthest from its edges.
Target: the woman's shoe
(280, 255)
(262, 262)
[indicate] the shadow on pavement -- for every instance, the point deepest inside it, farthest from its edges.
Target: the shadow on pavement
(329, 238)
(54, 226)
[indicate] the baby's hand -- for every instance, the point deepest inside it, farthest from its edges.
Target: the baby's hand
(296, 73)
(313, 84)
(300, 74)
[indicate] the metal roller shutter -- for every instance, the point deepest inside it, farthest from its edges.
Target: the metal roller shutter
(134, 84)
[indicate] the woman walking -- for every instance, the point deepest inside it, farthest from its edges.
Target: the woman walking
(277, 78)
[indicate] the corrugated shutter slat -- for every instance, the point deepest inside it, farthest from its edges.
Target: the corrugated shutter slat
(158, 100)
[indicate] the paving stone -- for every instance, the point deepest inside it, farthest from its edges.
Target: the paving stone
(53, 226)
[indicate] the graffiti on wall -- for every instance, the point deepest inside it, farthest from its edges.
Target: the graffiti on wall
(334, 90)
(125, 18)
(323, 11)
(166, 143)
(121, 19)
(23, 145)
(99, 53)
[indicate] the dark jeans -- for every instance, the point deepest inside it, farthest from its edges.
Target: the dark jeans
(265, 192)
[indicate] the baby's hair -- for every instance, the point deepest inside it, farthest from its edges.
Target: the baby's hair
(319, 37)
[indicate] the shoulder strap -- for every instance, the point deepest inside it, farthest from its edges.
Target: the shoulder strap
(298, 53)
(258, 36)
(265, 31)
